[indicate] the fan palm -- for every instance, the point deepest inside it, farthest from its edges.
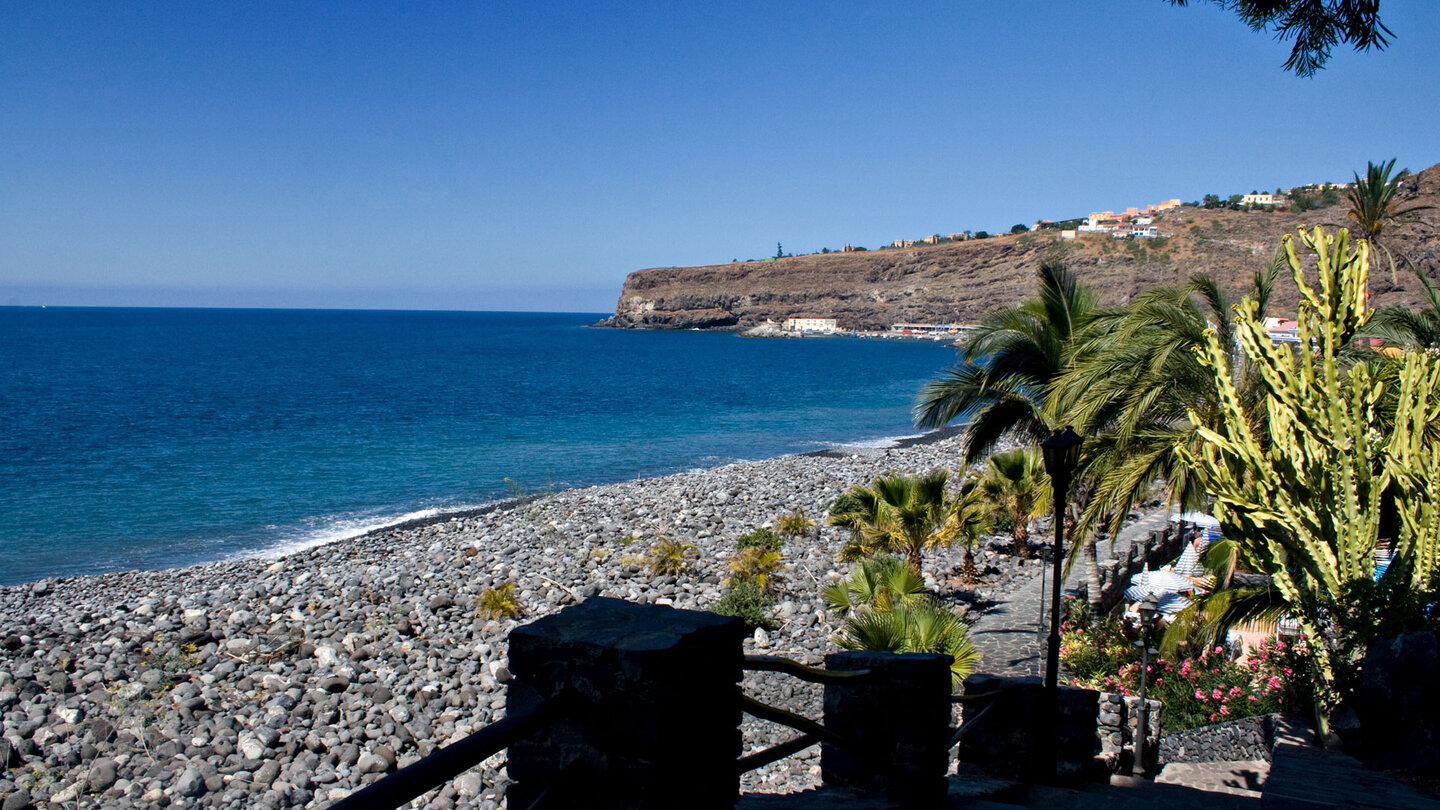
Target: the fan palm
(969, 517)
(1374, 205)
(896, 513)
(998, 386)
(925, 626)
(880, 582)
(1017, 487)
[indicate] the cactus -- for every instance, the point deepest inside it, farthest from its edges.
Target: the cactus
(1302, 496)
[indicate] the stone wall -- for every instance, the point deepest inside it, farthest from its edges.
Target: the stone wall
(1249, 738)
(1117, 726)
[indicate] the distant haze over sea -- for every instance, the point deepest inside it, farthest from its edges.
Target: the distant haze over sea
(148, 438)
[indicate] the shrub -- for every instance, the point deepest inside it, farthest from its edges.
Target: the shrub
(749, 603)
(758, 566)
(760, 538)
(794, 524)
(498, 603)
(669, 556)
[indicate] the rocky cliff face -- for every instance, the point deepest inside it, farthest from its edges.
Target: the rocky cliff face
(961, 282)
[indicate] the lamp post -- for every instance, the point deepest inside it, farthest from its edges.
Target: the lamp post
(1148, 609)
(1062, 453)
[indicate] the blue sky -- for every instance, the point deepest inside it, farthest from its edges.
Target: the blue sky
(529, 155)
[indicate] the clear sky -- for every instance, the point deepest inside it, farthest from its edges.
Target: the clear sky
(527, 155)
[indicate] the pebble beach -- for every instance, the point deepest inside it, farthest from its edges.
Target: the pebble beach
(292, 682)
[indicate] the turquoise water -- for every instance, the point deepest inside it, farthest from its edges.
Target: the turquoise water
(148, 438)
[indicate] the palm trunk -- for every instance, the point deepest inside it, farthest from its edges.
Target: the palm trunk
(1022, 538)
(968, 574)
(1093, 593)
(913, 555)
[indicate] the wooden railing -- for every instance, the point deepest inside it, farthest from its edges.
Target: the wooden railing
(608, 690)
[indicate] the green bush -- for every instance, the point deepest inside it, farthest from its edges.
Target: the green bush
(760, 538)
(751, 604)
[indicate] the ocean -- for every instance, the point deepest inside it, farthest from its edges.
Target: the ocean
(155, 438)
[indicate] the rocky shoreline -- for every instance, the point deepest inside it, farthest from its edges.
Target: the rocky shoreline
(289, 683)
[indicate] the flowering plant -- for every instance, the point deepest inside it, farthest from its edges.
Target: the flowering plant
(1198, 690)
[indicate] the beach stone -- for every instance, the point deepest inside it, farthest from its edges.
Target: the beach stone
(102, 775)
(250, 746)
(334, 683)
(190, 784)
(266, 773)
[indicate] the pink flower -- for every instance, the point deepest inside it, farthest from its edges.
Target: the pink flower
(1273, 683)
(1234, 690)
(1219, 649)
(1254, 665)
(1224, 709)
(1280, 645)
(1185, 667)
(1217, 694)
(1213, 717)
(1253, 699)
(1199, 695)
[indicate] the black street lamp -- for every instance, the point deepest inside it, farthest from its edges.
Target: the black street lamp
(1149, 609)
(1062, 454)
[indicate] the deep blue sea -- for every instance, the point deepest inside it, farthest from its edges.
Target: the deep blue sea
(150, 438)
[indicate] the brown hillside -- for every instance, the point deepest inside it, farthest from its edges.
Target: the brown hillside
(960, 282)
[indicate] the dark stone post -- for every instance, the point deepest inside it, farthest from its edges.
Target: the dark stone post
(899, 721)
(1023, 733)
(655, 714)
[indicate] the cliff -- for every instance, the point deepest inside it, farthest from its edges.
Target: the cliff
(961, 282)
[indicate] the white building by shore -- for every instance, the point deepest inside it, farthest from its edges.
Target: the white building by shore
(809, 324)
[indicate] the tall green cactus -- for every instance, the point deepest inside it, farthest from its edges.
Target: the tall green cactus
(1302, 498)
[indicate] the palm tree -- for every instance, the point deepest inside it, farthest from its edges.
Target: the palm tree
(1017, 487)
(1133, 388)
(998, 386)
(1410, 328)
(896, 513)
(969, 517)
(1373, 205)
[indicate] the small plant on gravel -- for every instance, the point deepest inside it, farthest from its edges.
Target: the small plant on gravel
(758, 566)
(497, 603)
(749, 603)
(760, 538)
(794, 524)
(669, 556)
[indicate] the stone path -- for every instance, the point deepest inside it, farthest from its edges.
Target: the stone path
(1011, 636)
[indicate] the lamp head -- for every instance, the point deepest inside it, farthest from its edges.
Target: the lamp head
(1062, 453)
(1148, 608)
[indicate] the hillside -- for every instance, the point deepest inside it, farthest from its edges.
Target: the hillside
(960, 282)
